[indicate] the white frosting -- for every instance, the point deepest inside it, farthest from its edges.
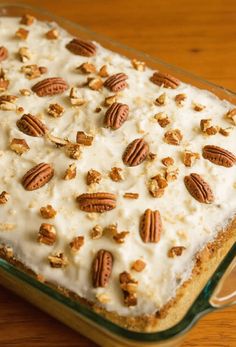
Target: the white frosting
(186, 222)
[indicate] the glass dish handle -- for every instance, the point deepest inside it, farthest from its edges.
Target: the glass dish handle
(225, 292)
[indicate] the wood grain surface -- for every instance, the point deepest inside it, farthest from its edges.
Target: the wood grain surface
(199, 36)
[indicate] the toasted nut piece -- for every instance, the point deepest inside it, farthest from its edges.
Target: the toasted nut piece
(116, 174)
(22, 34)
(19, 146)
(47, 234)
(27, 19)
(25, 92)
(180, 99)
(161, 181)
(175, 251)
(129, 288)
(168, 161)
(7, 226)
(205, 124)
(77, 243)
(57, 140)
(4, 196)
(81, 47)
(43, 69)
(58, 260)
(213, 130)
(231, 115)
(103, 298)
(165, 80)
(55, 110)
(96, 232)
(226, 131)
(138, 65)
(171, 173)
(24, 54)
(73, 150)
(4, 85)
(151, 156)
(139, 265)
(7, 251)
(161, 100)
(103, 71)
(95, 83)
(52, 34)
(87, 68)
(154, 189)
(131, 195)
(173, 137)
(93, 176)
(120, 237)
(84, 139)
(75, 97)
(48, 212)
(162, 119)
(70, 172)
(31, 71)
(189, 158)
(7, 106)
(198, 107)
(111, 229)
(3, 53)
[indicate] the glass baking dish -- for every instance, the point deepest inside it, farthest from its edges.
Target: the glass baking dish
(217, 291)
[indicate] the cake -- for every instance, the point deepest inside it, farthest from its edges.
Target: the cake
(117, 182)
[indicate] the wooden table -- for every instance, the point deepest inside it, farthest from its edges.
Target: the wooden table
(199, 36)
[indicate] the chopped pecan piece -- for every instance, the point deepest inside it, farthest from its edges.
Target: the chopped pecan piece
(161, 181)
(77, 243)
(84, 139)
(110, 100)
(73, 150)
(4, 196)
(96, 232)
(151, 226)
(70, 172)
(116, 174)
(58, 260)
(48, 212)
(52, 34)
(22, 34)
(102, 268)
(3, 53)
(7, 102)
(4, 82)
(151, 156)
(165, 80)
(161, 100)
(19, 146)
(131, 195)
(47, 234)
(116, 82)
(162, 119)
(207, 127)
(97, 202)
(31, 71)
(198, 188)
(139, 265)
(120, 237)
(173, 137)
(168, 161)
(154, 189)
(38, 176)
(87, 68)
(198, 107)
(75, 97)
(98, 109)
(95, 83)
(136, 152)
(81, 47)
(25, 92)
(138, 65)
(226, 131)
(57, 140)
(213, 130)
(190, 157)
(175, 251)
(55, 110)
(27, 19)
(24, 54)
(103, 71)
(129, 288)
(93, 176)
(180, 99)
(171, 173)
(231, 115)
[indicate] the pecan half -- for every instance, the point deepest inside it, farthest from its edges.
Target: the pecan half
(81, 47)
(116, 115)
(50, 86)
(151, 226)
(31, 125)
(116, 82)
(97, 202)
(3, 53)
(102, 268)
(136, 152)
(198, 188)
(218, 156)
(165, 79)
(47, 234)
(38, 176)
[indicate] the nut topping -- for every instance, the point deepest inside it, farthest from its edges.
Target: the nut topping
(102, 268)
(81, 47)
(75, 97)
(167, 161)
(84, 139)
(97, 202)
(116, 82)
(154, 189)
(120, 237)
(38, 176)
(73, 150)
(96, 232)
(31, 125)
(50, 86)
(151, 226)
(95, 83)
(165, 80)
(116, 174)
(93, 176)
(207, 127)
(175, 251)
(190, 158)
(180, 99)
(129, 288)
(55, 110)
(173, 137)
(162, 119)
(218, 156)
(136, 152)
(87, 68)
(27, 19)
(4, 196)
(48, 212)
(58, 260)
(103, 71)
(116, 115)
(47, 234)
(139, 265)
(19, 146)
(231, 115)
(198, 188)
(77, 243)
(131, 195)
(24, 54)
(3, 53)
(138, 65)
(70, 172)
(22, 34)
(110, 100)
(161, 100)
(52, 34)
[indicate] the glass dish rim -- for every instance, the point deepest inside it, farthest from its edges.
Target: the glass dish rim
(201, 304)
